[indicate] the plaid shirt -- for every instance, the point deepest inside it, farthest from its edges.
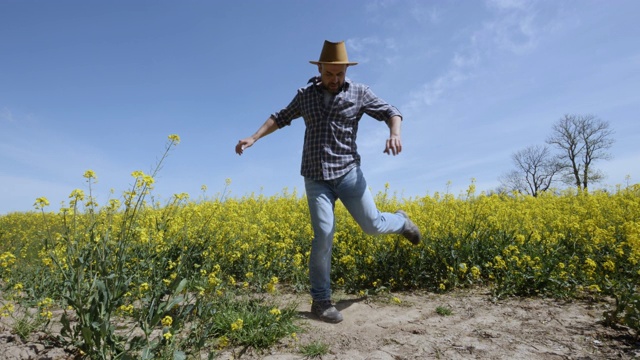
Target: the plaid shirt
(330, 149)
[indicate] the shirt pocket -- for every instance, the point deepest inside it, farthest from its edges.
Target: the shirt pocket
(346, 110)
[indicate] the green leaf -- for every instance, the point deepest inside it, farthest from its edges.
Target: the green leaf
(179, 355)
(180, 286)
(66, 325)
(175, 301)
(146, 353)
(87, 335)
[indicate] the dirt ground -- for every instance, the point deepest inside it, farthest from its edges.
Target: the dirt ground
(478, 328)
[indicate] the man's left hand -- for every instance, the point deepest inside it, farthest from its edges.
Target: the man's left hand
(393, 146)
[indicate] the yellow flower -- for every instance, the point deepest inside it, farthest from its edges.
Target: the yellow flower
(475, 272)
(7, 259)
(442, 286)
(77, 195)
(171, 265)
(167, 336)
(144, 287)
(213, 280)
(127, 309)
(45, 302)
(142, 179)
(271, 286)
(223, 342)
(174, 138)
(275, 311)
(41, 203)
(167, 321)
(17, 286)
(237, 325)
(7, 310)
(297, 260)
(594, 288)
(90, 174)
(609, 266)
(462, 268)
(500, 263)
(396, 300)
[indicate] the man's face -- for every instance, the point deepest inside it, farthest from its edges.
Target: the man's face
(332, 76)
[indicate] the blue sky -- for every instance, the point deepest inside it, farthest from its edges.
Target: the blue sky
(101, 84)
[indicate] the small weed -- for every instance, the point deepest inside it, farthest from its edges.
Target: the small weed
(443, 311)
(314, 350)
(25, 326)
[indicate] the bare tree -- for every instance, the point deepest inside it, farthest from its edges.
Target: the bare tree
(582, 140)
(511, 181)
(535, 170)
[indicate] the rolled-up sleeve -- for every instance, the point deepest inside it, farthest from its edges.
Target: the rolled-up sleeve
(377, 108)
(291, 112)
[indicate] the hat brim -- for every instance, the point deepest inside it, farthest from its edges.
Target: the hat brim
(333, 62)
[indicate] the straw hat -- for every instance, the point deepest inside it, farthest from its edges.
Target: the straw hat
(334, 53)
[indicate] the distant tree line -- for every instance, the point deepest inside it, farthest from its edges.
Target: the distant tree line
(579, 141)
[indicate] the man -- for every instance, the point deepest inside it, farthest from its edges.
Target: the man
(331, 106)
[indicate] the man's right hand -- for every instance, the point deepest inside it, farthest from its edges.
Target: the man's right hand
(243, 144)
(267, 128)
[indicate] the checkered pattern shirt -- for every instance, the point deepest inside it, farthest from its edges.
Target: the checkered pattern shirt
(330, 149)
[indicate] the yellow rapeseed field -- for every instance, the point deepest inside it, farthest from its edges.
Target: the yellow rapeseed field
(568, 244)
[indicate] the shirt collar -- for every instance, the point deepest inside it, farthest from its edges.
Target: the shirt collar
(317, 83)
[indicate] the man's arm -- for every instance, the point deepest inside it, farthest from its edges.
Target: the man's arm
(267, 128)
(394, 143)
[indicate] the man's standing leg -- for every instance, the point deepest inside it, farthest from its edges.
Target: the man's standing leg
(321, 199)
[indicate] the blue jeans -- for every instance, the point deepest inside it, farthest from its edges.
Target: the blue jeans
(352, 190)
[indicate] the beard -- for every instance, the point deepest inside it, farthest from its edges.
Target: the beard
(333, 87)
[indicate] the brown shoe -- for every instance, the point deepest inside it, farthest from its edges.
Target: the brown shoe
(326, 311)
(410, 231)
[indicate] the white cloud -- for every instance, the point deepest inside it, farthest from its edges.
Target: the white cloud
(515, 33)
(358, 48)
(373, 50)
(434, 90)
(465, 60)
(512, 30)
(507, 4)
(421, 14)
(379, 5)
(6, 115)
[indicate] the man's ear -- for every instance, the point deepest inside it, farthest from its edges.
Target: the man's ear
(320, 68)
